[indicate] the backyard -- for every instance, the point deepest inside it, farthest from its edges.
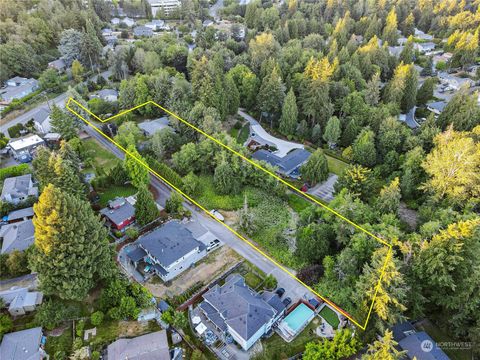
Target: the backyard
(330, 317)
(99, 157)
(114, 191)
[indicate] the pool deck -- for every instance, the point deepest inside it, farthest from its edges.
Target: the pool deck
(287, 333)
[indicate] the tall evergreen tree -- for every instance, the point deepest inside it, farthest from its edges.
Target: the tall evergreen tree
(385, 348)
(271, 94)
(63, 123)
(137, 172)
(91, 45)
(145, 207)
(363, 149)
(288, 121)
(332, 132)
(71, 247)
(316, 168)
(390, 30)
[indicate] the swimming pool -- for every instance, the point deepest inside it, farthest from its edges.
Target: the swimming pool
(300, 316)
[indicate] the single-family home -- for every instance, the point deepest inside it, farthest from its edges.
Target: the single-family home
(17, 236)
(441, 58)
(207, 23)
(418, 345)
(58, 65)
(20, 215)
(145, 347)
(424, 47)
(128, 21)
(107, 32)
(17, 88)
(419, 34)
(115, 21)
(167, 6)
(168, 250)
(25, 145)
(150, 127)
(41, 120)
(23, 345)
(111, 40)
(18, 188)
(455, 82)
(289, 165)
(235, 309)
(395, 50)
(142, 31)
(156, 25)
(119, 213)
(436, 107)
(110, 95)
(19, 301)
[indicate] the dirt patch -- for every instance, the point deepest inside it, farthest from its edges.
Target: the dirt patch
(132, 328)
(408, 215)
(211, 266)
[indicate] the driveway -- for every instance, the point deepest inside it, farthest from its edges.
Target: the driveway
(258, 133)
(324, 190)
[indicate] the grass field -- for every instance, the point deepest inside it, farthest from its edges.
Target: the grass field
(100, 157)
(297, 203)
(330, 316)
(335, 166)
(115, 191)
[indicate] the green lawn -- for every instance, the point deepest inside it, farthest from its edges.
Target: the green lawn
(252, 280)
(115, 191)
(330, 316)
(243, 134)
(209, 198)
(335, 166)
(297, 203)
(275, 348)
(100, 157)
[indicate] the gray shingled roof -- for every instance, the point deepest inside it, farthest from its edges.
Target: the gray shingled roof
(17, 236)
(119, 214)
(286, 164)
(22, 345)
(20, 214)
(142, 31)
(242, 309)
(169, 242)
(437, 105)
(413, 344)
(18, 186)
(41, 115)
(153, 346)
(137, 254)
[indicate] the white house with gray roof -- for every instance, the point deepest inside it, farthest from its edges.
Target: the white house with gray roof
(41, 121)
(169, 250)
(25, 145)
(17, 189)
(237, 310)
(23, 345)
(17, 236)
(19, 301)
(109, 95)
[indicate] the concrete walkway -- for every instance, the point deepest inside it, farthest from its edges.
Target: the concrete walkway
(258, 133)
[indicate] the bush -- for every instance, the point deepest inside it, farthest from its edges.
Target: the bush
(12, 171)
(95, 354)
(79, 328)
(132, 233)
(165, 171)
(97, 318)
(6, 324)
(54, 311)
(270, 282)
(14, 131)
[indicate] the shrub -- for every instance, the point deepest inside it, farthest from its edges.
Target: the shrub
(95, 354)
(79, 328)
(6, 324)
(270, 282)
(97, 318)
(53, 312)
(14, 131)
(12, 171)
(132, 233)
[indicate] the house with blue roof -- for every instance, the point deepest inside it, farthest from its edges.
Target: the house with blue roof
(289, 165)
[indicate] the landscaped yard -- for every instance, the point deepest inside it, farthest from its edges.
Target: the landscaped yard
(330, 316)
(336, 166)
(115, 191)
(276, 348)
(60, 344)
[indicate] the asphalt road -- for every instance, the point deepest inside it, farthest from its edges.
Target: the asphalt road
(293, 288)
(58, 101)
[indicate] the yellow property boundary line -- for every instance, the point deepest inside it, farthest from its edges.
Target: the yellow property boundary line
(363, 327)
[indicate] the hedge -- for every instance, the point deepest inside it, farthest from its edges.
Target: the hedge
(165, 171)
(12, 171)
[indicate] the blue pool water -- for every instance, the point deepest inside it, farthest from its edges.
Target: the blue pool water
(299, 317)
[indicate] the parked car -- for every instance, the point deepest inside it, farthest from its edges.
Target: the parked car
(280, 292)
(287, 301)
(217, 214)
(213, 244)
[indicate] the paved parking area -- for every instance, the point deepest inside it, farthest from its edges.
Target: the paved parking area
(325, 190)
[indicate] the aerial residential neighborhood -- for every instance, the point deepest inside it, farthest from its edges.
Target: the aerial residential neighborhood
(239, 179)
